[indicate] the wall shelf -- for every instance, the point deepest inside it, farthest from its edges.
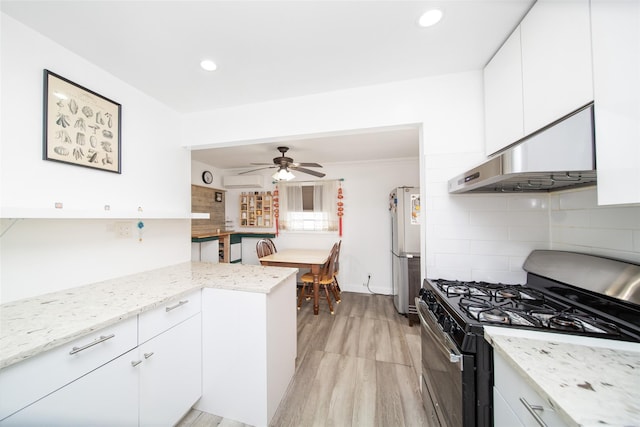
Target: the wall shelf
(256, 209)
(53, 213)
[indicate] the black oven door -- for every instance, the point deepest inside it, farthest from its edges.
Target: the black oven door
(448, 390)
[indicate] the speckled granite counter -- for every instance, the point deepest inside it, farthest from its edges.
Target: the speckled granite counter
(590, 381)
(33, 325)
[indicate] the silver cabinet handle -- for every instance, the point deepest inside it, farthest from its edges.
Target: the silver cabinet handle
(102, 338)
(532, 410)
(173, 307)
(136, 362)
(454, 358)
(148, 355)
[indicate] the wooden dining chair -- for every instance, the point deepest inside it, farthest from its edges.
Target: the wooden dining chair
(265, 247)
(325, 279)
(336, 285)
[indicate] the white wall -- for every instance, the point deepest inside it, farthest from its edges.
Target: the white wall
(44, 255)
(449, 110)
(366, 239)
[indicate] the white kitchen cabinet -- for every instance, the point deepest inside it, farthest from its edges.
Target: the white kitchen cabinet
(504, 116)
(616, 82)
(249, 351)
(556, 61)
(170, 373)
(235, 254)
(108, 379)
(513, 396)
(106, 397)
(206, 251)
(249, 254)
(153, 322)
(503, 415)
(55, 368)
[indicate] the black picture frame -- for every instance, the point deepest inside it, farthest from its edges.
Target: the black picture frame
(80, 126)
(218, 196)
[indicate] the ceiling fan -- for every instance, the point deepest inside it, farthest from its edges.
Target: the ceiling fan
(285, 164)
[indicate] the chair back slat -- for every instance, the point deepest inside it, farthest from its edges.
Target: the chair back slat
(265, 247)
(330, 266)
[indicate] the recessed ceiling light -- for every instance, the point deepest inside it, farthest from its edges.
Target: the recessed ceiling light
(208, 65)
(430, 17)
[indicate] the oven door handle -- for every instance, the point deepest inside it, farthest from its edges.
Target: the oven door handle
(430, 324)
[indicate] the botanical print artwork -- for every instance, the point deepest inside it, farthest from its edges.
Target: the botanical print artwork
(81, 127)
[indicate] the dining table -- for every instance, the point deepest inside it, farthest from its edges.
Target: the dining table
(312, 259)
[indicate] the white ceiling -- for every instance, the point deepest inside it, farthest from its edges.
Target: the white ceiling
(269, 49)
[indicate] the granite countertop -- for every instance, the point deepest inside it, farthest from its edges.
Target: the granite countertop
(33, 325)
(589, 381)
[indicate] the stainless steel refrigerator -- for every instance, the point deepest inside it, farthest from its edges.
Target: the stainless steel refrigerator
(404, 205)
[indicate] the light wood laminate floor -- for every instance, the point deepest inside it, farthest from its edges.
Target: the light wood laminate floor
(359, 367)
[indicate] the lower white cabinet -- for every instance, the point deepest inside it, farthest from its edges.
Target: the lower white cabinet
(516, 403)
(249, 351)
(154, 384)
(170, 373)
(107, 396)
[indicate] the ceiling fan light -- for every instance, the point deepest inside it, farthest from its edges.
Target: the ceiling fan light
(283, 174)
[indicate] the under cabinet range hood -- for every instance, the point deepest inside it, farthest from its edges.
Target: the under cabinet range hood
(556, 157)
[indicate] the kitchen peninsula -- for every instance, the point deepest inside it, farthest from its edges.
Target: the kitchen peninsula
(74, 326)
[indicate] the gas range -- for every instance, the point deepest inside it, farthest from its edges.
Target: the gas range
(521, 306)
(565, 292)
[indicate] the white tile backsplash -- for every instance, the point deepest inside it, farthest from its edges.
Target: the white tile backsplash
(623, 217)
(488, 237)
(578, 224)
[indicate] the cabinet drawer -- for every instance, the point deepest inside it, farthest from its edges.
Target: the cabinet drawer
(158, 320)
(517, 393)
(25, 382)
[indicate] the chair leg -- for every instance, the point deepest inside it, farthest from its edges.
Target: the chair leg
(326, 291)
(301, 294)
(336, 293)
(335, 280)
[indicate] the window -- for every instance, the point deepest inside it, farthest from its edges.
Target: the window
(308, 206)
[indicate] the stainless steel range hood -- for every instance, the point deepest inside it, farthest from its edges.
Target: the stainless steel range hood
(558, 156)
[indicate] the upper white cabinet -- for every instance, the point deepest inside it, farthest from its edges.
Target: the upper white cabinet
(504, 117)
(556, 61)
(616, 82)
(540, 74)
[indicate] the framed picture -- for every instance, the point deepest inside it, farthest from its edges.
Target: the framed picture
(81, 127)
(218, 196)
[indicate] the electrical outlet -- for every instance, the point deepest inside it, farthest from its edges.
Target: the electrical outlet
(123, 229)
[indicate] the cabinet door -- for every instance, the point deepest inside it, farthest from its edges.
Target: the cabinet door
(25, 382)
(556, 61)
(504, 119)
(503, 415)
(235, 255)
(107, 396)
(616, 74)
(209, 251)
(171, 373)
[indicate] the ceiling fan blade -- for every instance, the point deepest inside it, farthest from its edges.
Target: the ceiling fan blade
(253, 170)
(309, 165)
(309, 171)
(258, 164)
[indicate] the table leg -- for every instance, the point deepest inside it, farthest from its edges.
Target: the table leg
(315, 270)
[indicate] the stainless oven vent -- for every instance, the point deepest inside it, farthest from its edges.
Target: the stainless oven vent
(557, 157)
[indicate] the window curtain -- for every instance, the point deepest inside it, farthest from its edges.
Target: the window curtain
(324, 216)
